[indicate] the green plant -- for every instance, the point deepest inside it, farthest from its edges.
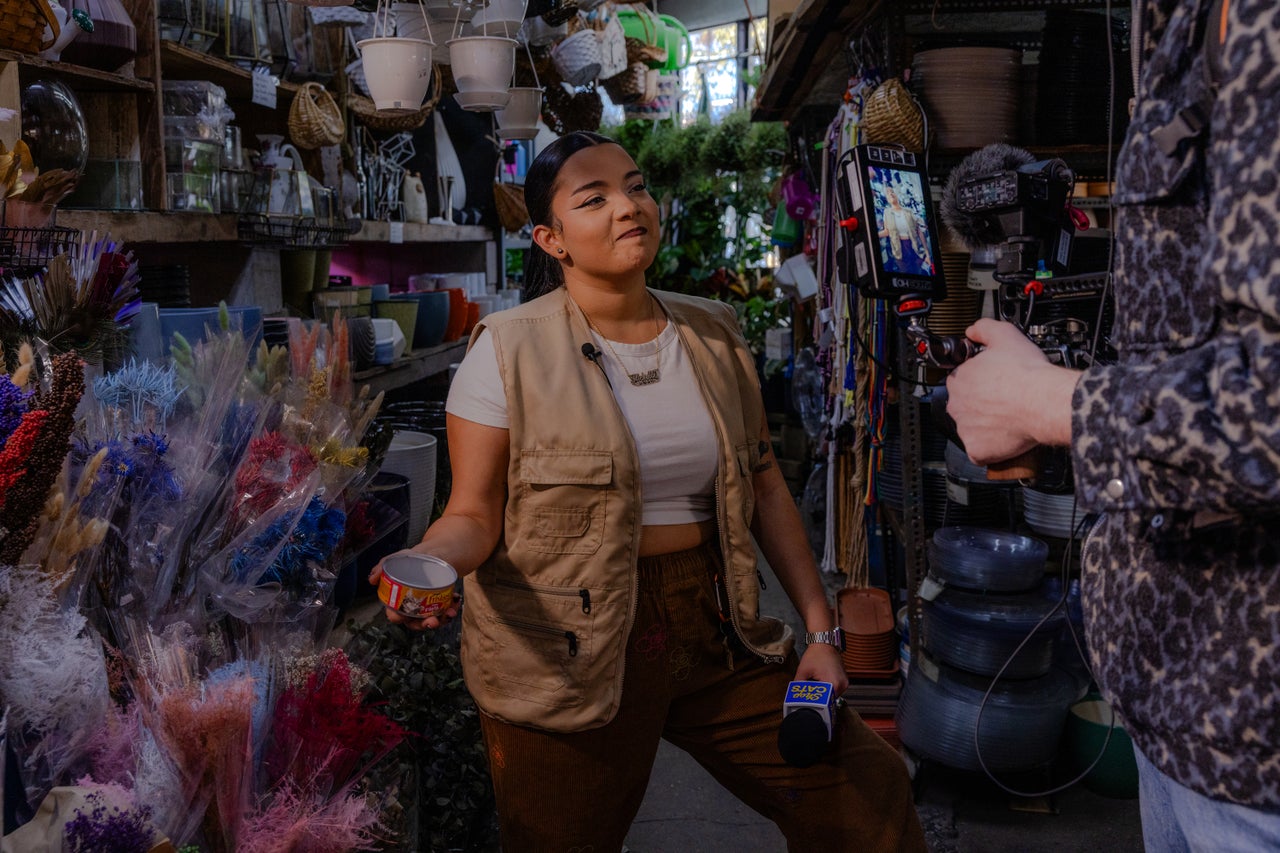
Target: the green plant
(437, 783)
(757, 314)
(699, 172)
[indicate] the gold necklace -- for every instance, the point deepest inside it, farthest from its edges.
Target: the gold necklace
(638, 379)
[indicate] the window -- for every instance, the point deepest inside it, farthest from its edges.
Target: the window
(713, 83)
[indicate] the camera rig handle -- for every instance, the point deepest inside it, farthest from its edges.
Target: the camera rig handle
(949, 352)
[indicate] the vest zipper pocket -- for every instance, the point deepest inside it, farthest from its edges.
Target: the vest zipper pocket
(544, 630)
(584, 594)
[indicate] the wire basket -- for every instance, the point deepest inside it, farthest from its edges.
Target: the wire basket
(27, 250)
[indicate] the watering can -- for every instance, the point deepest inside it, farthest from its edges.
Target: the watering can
(69, 26)
(290, 184)
(676, 38)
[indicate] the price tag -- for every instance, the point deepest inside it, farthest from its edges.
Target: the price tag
(264, 90)
(396, 232)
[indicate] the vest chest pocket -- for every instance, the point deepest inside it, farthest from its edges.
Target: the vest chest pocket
(563, 497)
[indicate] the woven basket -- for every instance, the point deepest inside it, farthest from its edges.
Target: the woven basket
(630, 86)
(648, 54)
(577, 58)
(613, 43)
(509, 200)
(561, 12)
(336, 15)
(22, 24)
(314, 118)
(368, 115)
(565, 112)
(891, 115)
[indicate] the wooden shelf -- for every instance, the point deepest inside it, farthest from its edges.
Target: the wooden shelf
(809, 47)
(413, 366)
(416, 232)
(151, 227)
(183, 63)
(155, 227)
(81, 78)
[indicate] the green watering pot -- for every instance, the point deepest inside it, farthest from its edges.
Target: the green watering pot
(677, 38)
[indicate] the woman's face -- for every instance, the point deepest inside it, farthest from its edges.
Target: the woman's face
(604, 222)
(891, 196)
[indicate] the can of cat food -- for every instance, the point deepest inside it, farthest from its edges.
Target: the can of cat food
(416, 585)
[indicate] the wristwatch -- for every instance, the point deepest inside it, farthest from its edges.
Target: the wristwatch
(834, 637)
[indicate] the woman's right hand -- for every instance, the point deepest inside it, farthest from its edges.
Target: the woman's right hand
(427, 623)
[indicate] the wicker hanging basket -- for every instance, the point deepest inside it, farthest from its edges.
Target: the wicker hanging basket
(314, 118)
(892, 115)
(629, 87)
(509, 200)
(22, 24)
(369, 115)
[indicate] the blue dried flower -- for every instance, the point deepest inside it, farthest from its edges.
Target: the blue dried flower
(136, 468)
(139, 385)
(13, 405)
(311, 541)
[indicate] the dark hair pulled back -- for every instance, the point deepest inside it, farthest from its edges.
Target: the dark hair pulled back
(543, 273)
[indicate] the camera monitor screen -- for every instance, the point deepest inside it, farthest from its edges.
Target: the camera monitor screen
(895, 250)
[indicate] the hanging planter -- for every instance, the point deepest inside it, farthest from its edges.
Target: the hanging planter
(519, 119)
(482, 67)
(397, 70)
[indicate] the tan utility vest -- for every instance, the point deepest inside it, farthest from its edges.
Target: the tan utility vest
(547, 616)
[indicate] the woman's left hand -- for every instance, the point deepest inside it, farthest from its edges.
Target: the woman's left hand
(822, 662)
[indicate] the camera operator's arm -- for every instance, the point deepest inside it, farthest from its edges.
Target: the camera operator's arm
(1009, 398)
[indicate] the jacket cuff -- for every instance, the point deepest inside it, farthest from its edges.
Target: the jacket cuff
(1106, 406)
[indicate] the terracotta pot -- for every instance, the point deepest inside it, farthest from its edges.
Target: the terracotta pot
(457, 313)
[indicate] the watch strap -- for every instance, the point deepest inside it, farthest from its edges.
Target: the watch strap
(834, 637)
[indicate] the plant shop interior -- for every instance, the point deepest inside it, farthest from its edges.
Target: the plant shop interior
(243, 244)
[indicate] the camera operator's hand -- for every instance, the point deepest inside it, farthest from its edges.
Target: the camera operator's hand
(1008, 398)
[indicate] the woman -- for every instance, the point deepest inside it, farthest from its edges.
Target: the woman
(611, 464)
(906, 238)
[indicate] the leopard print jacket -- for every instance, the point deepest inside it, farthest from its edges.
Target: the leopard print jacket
(1178, 444)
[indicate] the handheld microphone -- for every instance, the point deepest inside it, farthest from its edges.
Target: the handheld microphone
(808, 722)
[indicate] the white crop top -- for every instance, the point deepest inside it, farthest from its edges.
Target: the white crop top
(669, 421)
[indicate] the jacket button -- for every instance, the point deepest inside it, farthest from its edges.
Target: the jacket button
(1114, 489)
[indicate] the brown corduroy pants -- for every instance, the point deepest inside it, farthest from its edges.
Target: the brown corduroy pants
(579, 792)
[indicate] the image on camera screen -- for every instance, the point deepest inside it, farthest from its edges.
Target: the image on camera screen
(906, 246)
